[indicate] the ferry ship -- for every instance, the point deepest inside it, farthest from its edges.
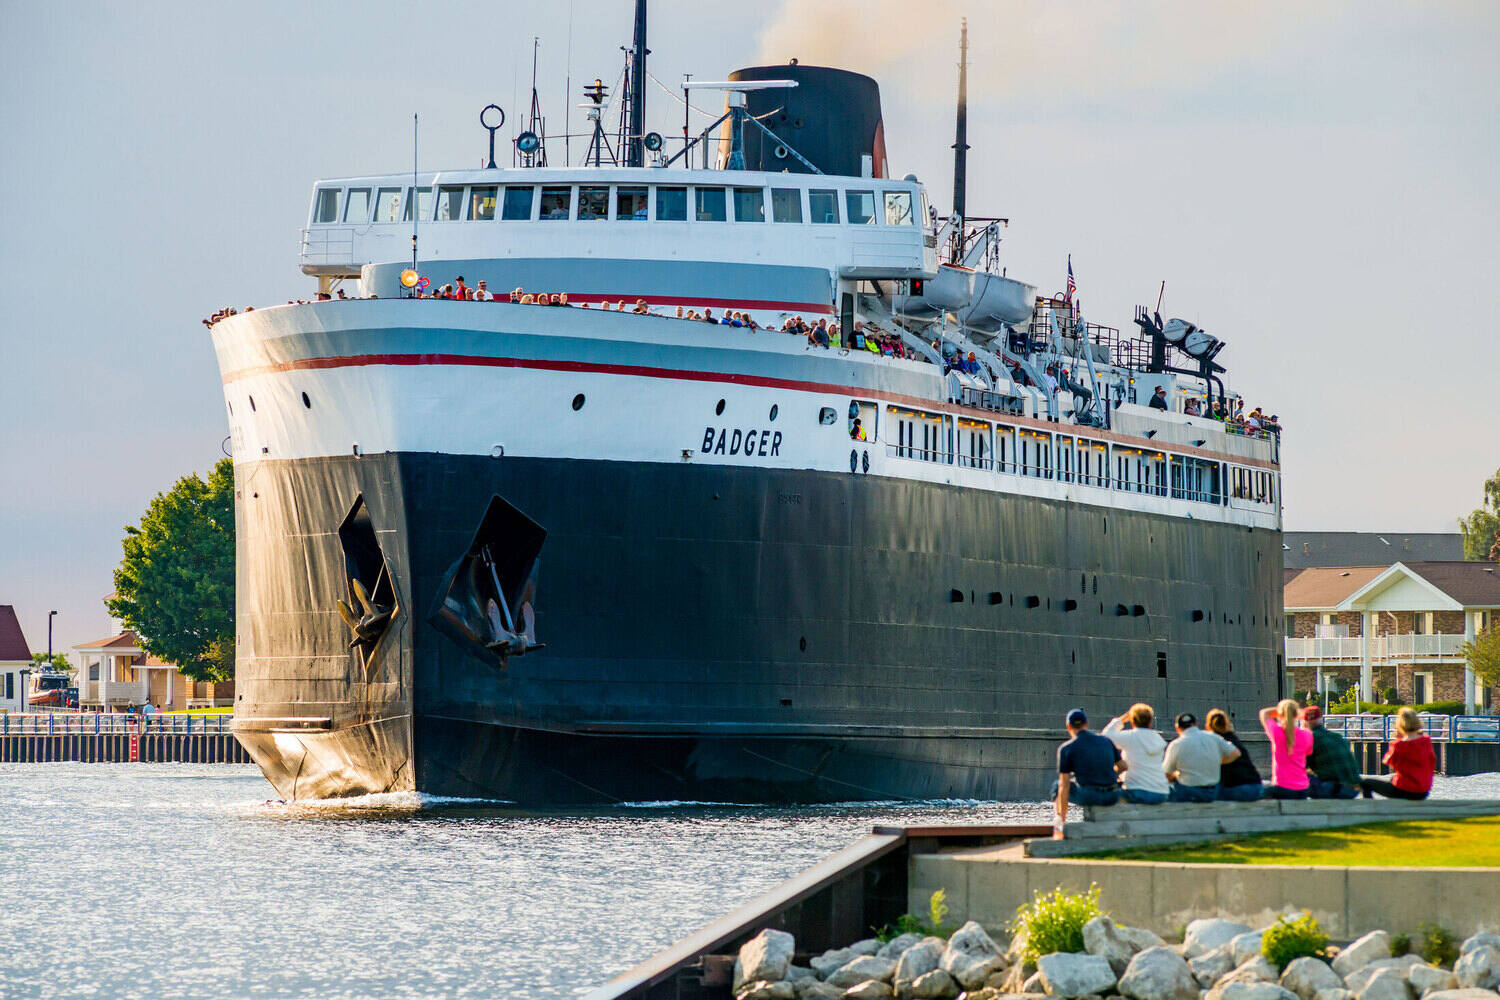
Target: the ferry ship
(577, 554)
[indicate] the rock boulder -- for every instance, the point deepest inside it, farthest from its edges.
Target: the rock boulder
(760, 989)
(1211, 966)
(1307, 975)
(863, 969)
(1360, 977)
(1480, 940)
(1425, 979)
(1479, 969)
(1068, 974)
(1386, 984)
(836, 958)
(1471, 993)
(1102, 937)
(870, 989)
(972, 956)
(934, 985)
(1246, 947)
(1250, 989)
(896, 945)
(1371, 948)
(1207, 934)
(1334, 993)
(918, 960)
(1158, 974)
(811, 989)
(764, 957)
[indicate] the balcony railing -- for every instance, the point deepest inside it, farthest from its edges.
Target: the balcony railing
(1330, 648)
(1339, 649)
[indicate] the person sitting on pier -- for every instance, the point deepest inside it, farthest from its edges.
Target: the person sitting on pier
(1290, 745)
(1239, 780)
(1193, 761)
(1331, 771)
(1410, 759)
(1087, 765)
(1143, 750)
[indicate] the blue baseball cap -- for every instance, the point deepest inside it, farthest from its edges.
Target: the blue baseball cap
(1077, 718)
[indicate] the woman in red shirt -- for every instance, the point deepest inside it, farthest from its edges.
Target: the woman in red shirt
(1410, 759)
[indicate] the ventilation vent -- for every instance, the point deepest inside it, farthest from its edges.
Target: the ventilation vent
(1070, 605)
(955, 596)
(1161, 664)
(1121, 611)
(996, 597)
(1136, 610)
(1033, 601)
(1197, 615)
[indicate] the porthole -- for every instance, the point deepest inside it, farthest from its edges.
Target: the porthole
(802, 644)
(252, 404)
(306, 402)
(719, 410)
(774, 410)
(497, 451)
(854, 460)
(578, 401)
(826, 416)
(356, 450)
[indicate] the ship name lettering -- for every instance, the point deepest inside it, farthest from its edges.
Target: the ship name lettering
(749, 441)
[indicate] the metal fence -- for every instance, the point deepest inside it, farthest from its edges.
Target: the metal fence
(1441, 728)
(112, 723)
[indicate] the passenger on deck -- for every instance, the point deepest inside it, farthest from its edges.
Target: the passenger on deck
(708, 316)
(1049, 379)
(1143, 750)
(834, 337)
(1331, 771)
(820, 333)
(1192, 409)
(1159, 399)
(1193, 761)
(857, 432)
(1411, 760)
(1087, 765)
(1290, 746)
(1239, 781)
(482, 293)
(462, 290)
(679, 312)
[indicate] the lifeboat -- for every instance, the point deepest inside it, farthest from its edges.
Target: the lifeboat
(950, 291)
(998, 300)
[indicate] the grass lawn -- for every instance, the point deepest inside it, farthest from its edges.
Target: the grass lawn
(1448, 843)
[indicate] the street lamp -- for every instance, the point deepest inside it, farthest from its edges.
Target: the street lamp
(50, 615)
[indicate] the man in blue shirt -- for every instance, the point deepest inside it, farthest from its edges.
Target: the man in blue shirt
(1087, 766)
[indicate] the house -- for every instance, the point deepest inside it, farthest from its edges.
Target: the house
(116, 673)
(15, 656)
(1304, 549)
(1398, 625)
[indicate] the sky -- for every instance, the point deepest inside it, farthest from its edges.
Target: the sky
(1315, 182)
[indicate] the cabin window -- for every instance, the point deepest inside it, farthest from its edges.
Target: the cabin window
(593, 202)
(898, 209)
(556, 202)
(517, 207)
(450, 206)
(357, 205)
(786, 205)
(482, 201)
(388, 205)
(630, 203)
(749, 205)
(671, 204)
(861, 205)
(328, 205)
(823, 206)
(424, 203)
(710, 205)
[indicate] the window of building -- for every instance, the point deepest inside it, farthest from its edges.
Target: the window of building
(10, 686)
(671, 204)
(327, 209)
(898, 209)
(450, 205)
(861, 205)
(424, 203)
(517, 207)
(1291, 626)
(357, 205)
(823, 207)
(630, 203)
(786, 205)
(593, 202)
(710, 205)
(557, 203)
(388, 205)
(749, 205)
(482, 201)
(93, 671)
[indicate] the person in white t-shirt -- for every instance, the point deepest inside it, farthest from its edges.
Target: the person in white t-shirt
(1143, 749)
(481, 293)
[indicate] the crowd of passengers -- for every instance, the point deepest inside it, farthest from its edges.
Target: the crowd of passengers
(1256, 423)
(1130, 761)
(861, 338)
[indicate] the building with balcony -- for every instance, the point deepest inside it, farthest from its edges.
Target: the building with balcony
(1400, 626)
(15, 656)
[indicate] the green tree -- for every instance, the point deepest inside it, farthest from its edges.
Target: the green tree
(1482, 527)
(59, 663)
(175, 586)
(1482, 654)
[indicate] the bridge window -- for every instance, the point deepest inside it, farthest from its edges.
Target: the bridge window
(593, 202)
(424, 203)
(450, 206)
(557, 202)
(630, 203)
(671, 204)
(786, 205)
(482, 201)
(861, 206)
(749, 205)
(517, 207)
(357, 205)
(327, 209)
(388, 205)
(823, 206)
(710, 204)
(898, 209)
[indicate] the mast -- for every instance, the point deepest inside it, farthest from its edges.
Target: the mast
(961, 128)
(634, 156)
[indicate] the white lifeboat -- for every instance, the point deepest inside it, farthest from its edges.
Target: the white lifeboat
(951, 290)
(998, 300)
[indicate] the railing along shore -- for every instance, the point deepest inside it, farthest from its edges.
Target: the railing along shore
(119, 738)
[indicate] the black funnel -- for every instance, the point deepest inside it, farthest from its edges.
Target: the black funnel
(832, 118)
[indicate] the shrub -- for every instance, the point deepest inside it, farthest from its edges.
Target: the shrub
(1298, 937)
(1054, 921)
(935, 924)
(1400, 945)
(1439, 946)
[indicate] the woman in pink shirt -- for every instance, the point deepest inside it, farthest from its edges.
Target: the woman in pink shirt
(1290, 747)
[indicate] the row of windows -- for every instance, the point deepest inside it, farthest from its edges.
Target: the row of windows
(612, 202)
(1045, 455)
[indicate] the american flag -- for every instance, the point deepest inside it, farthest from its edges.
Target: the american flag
(1072, 285)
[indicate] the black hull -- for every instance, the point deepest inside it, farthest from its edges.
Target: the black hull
(731, 634)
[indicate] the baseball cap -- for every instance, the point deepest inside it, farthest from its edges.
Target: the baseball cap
(1077, 718)
(1187, 720)
(1312, 713)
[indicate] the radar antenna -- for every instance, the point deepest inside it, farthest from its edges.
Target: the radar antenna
(961, 139)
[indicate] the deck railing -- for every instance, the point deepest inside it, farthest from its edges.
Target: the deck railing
(1385, 647)
(112, 723)
(1441, 728)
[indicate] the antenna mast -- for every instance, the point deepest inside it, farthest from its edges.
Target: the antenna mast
(537, 124)
(961, 129)
(634, 154)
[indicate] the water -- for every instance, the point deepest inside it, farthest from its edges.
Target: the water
(182, 881)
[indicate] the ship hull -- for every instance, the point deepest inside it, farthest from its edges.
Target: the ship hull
(729, 633)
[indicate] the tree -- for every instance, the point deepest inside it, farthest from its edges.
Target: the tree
(175, 586)
(1482, 654)
(60, 663)
(1482, 527)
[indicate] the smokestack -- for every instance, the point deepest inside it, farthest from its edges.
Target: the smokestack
(961, 129)
(635, 157)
